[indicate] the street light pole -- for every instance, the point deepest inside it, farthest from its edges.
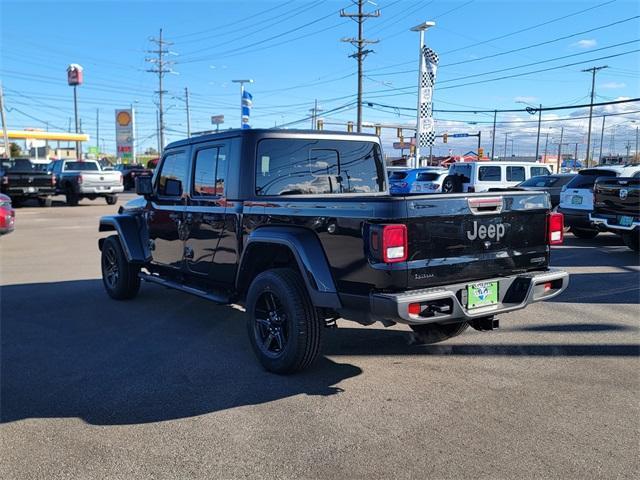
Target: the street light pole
(493, 135)
(559, 162)
(506, 134)
(186, 96)
(538, 137)
(423, 95)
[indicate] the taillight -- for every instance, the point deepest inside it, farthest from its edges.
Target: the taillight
(556, 228)
(394, 243)
(80, 179)
(121, 179)
(53, 180)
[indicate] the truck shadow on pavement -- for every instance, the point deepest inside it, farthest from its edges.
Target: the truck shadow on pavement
(69, 351)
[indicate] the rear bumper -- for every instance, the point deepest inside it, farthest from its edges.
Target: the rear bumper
(101, 190)
(609, 222)
(31, 192)
(514, 292)
(574, 217)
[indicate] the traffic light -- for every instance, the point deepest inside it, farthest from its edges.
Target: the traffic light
(480, 153)
(399, 133)
(349, 127)
(445, 137)
(320, 123)
(378, 130)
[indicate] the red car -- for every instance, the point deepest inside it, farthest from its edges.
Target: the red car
(7, 215)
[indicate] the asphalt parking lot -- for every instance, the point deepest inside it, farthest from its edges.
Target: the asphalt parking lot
(166, 386)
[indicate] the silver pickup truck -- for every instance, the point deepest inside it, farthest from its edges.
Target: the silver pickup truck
(78, 179)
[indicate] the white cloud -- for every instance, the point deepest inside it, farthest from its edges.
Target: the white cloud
(613, 85)
(525, 99)
(585, 43)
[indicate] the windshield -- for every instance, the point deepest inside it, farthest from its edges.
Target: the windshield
(83, 166)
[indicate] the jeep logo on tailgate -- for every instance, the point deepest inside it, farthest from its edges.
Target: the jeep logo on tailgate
(493, 231)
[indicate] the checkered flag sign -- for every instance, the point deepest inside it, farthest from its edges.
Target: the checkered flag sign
(428, 68)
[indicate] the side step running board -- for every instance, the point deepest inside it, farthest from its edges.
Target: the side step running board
(212, 296)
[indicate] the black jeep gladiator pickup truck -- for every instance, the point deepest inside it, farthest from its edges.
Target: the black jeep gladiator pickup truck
(301, 229)
(616, 207)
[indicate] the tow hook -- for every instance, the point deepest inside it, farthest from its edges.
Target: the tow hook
(485, 324)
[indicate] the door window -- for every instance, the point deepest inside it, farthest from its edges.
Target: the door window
(489, 174)
(535, 171)
(210, 172)
(515, 174)
(173, 175)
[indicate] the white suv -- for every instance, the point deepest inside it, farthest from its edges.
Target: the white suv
(481, 176)
(576, 198)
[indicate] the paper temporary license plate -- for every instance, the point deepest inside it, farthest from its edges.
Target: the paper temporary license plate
(576, 200)
(625, 221)
(482, 294)
(29, 190)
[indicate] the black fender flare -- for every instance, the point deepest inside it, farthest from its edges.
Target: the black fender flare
(308, 254)
(133, 234)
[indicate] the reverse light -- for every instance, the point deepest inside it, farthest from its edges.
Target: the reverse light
(556, 228)
(394, 243)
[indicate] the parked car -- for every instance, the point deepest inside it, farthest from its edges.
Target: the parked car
(78, 179)
(616, 207)
(22, 180)
(130, 171)
(7, 215)
(552, 184)
(419, 180)
(483, 176)
(576, 199)
(301, 229)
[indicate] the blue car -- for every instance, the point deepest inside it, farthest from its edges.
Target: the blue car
(418, 180)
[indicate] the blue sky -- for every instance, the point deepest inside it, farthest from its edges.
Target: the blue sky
(292, 49)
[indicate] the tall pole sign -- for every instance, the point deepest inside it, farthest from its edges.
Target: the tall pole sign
(75, 77)
(425, 131)
(125, 139)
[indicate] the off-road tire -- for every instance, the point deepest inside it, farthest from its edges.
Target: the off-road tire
(632, 240)
(111, 199)
(300, 327)
(436, 332)
(126, 283)
(45, 202)
(452, 184)
(585, 233)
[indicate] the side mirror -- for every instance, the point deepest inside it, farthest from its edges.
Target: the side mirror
(144, 186)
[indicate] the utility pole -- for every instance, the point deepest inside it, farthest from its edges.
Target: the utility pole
(636, 155)
(575, 156)
(601, 138)
(158, 130)
(559, 164)
(4, 125)
(359, 43)
(98, 130)
(593, 71)
(493, 135)
(538, 137)
(314, 114)
(506, 134)
(186, 96)
(546, 144)
(161, 67)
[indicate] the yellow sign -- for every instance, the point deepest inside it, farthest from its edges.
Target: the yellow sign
(123, 118)
(480, 152)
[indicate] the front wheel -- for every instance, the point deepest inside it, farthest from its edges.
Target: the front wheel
(437, 332)
(283, 326)
(72, 197)
(452, 184)
(111, 199)
(120, 278)
(586, 233)
(632, 240)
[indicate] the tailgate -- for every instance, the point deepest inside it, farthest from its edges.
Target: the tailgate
(100, 179)
(618, 196)
(29, 179)
(458, 238)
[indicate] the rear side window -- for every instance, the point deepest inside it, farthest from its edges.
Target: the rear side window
(489, 174)
(173, 176)
(586, 178)
(318, 167)
(515, 174)
(210, 172)
(536, 171)
(428, 176)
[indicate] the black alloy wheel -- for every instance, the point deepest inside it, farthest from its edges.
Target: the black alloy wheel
(452, 184)
(119, 277)
(110, 267)
(270, 326)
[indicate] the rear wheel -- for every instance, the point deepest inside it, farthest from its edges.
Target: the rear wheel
(71, 197)
(437, 332)
(584, 232)
(111, 199)
(120, 278)
(283, 326)
(452, 184)
(632, 240)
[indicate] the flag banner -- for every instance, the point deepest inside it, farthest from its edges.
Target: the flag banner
(426, 125)
(247, 103)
